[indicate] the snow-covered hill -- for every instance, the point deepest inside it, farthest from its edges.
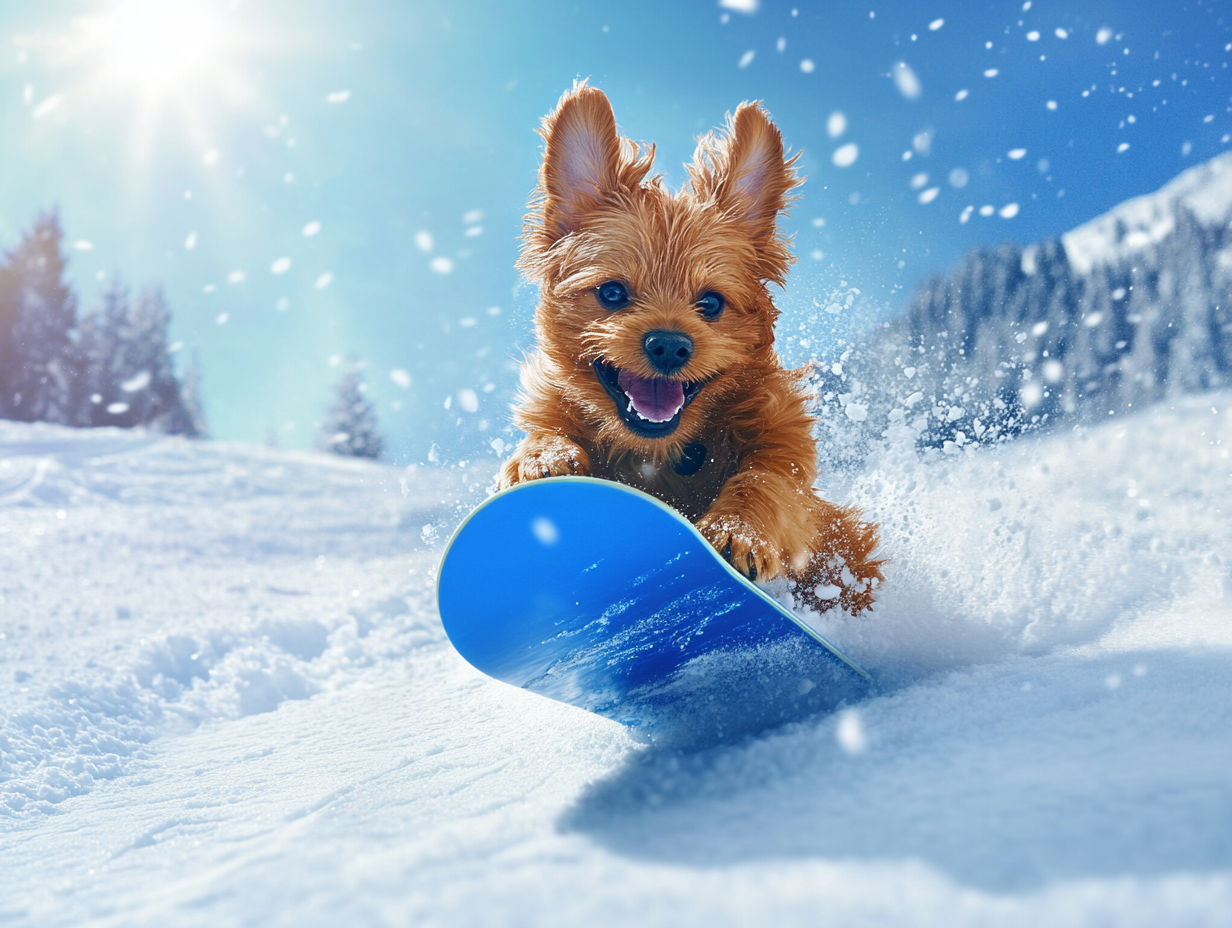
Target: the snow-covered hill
(1127, 310)
(227, 700)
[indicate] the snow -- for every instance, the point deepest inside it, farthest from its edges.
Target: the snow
(227, 699)
(1138, 224)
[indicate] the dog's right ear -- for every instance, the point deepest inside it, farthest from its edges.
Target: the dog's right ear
(581, 161)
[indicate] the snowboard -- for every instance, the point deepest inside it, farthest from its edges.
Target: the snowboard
(601, 596)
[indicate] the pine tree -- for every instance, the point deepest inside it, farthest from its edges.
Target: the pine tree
(350, 426)
(195, 425)
(38, 313)
(128, 375)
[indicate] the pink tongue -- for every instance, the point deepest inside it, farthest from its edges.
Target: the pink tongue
(651, 398)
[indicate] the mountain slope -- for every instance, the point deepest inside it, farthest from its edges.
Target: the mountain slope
(1124, 311)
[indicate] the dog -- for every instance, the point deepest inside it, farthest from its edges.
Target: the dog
(655, 364)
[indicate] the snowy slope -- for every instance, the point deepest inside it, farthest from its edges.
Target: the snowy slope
(227, 700)
(1135, 225)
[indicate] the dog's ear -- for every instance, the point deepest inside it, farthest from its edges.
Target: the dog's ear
(746, 174)
(581, 161)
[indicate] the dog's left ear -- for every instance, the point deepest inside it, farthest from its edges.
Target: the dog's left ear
(746, 174)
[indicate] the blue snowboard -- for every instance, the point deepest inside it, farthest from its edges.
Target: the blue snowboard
(598, 595)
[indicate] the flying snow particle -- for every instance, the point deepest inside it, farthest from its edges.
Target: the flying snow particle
(468, 399)
(906, 81)
(936, 24)
(221, 318)
(312, 229)
(965, 214)
(82, 245)
(400, 377)
(468, 322)
(282, 304)
(1039, 328)
(961, 95)
(1053, 371)
(338, 96)
(929, 195)
(136, 382)
(991, 72)
(1124, 146)
(807, 65)
(1033, 35)
(117, 409)
(922, 142)
(1008, 211)
(47, 106)
(474, 231)
(190, 241)
(208, 288)
(472, 216)
(423, 240)
(441, 265)
(210, 157)
(849, 732)
(494, 310)
(1051, 104)
(1103, 35)
(846, 156)
(235, 277)
(27, 94)
(959, 178)
(919, 181)
(987, 210)
(1061, 33)
(1016, 154)
(324, 280)
(1031, 394)
(856, 412)
(545, 530)
(836, 125)
(746, 59)
(781, 45)
(280, 266)
(1093, 319)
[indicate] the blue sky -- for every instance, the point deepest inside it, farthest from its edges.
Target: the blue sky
(193, 144)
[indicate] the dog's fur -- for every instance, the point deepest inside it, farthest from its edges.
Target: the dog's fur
(598, 217)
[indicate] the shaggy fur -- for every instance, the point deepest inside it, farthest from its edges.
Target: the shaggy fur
(598, 216)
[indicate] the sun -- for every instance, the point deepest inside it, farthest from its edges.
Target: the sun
(153, 47)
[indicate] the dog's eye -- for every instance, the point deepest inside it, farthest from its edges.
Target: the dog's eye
(612, 294)
(711, 304)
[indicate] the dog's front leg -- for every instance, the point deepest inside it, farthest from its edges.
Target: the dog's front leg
(544, 454)
(758, 522)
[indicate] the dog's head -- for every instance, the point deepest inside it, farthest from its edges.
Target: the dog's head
(654, 310)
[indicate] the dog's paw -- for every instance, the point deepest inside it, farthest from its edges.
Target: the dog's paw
(742, 546)
(544, 456)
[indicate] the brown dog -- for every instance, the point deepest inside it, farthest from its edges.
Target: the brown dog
(656, 364)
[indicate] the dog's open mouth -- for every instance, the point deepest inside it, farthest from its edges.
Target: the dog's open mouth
(648, 406)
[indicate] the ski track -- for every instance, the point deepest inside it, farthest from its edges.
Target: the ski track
(227, 700)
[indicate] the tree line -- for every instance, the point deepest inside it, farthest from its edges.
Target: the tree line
(108, 366)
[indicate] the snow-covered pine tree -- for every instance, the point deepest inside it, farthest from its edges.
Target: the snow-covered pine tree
(38, 313)
(128, 378)
(350, 424)
(194, 424)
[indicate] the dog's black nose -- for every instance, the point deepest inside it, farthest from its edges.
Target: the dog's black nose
(667, 351)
